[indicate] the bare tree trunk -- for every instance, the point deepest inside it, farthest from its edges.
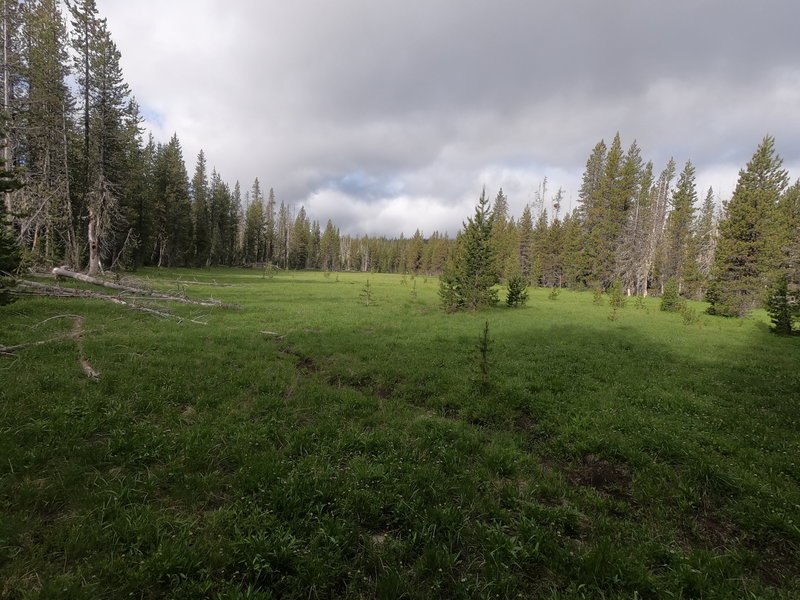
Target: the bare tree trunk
(94, 253)
(5, 109)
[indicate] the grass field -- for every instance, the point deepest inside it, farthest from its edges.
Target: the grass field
(356, 451)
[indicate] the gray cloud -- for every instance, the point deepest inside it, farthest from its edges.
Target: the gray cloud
(389, 117)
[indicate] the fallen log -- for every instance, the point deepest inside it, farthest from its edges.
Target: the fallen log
(59, 292)
(62, 272)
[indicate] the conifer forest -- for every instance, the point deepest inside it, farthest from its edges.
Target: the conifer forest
(94, 194)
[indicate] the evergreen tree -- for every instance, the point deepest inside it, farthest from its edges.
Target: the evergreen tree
(222, 223)
(253, 243)
(471, 274)
(517, 290)
(172, 207)
(744, 258)
(329, 248)
(781, 306)
(679, 228)
(525, 249)
(201, 218)
(270, 239)
(702, 244)
(46, 223)
(670, 299)
(299, 244)
(283, 236)
(104, 97)
(788, 226)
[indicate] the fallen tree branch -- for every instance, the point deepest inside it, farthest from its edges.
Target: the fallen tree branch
(58, 338)
(75, 334)
(215, 284)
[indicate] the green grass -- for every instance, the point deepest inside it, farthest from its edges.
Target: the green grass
(359, 454)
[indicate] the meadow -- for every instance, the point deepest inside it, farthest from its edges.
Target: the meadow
(312, 444)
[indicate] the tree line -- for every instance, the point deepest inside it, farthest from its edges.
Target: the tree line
(93, 193)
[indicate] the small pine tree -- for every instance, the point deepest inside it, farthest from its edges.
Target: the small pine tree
(616, 294)
(780, 307)
(484, 345)
(366, 295)
(517, 291)
(470, 274)
(597, 295)
(554, 292)
(671, 300)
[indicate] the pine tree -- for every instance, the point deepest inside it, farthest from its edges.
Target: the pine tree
(670, 299)
(201, 218)
(45, 220)
(744, 257)
(788, 220)
(270, 239)
(329, 248)
(471, 274)
(283, 236)
(173, 208)
(679, 228)
(781, 306)
(525, 249)
(300, 241)
(253, 243)
(104, 97)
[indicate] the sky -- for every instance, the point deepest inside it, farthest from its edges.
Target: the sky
(392, 116)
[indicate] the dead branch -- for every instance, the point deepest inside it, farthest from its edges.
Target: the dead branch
(58, 338)
(215, 284)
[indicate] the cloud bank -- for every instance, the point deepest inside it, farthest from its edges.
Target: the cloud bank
(391, 117)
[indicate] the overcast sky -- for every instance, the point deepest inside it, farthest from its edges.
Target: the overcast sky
(388, 116)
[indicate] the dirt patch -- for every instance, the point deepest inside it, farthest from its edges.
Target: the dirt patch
(612, 480)
(305, 365)
(778, 562)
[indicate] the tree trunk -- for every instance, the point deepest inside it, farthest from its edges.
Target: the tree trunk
(94, 253)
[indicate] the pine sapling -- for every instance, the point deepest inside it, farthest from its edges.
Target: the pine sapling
(517, 291)
(366, 295)
(484, 344)
(616, 294)
(597, 295)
